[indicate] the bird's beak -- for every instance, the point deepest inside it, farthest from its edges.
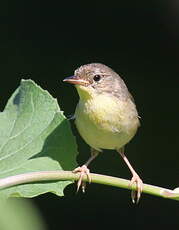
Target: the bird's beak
(76, 80)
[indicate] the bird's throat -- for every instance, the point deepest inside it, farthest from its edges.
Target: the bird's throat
(85, 92)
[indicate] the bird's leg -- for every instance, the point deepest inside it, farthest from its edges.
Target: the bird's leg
(135, 179)
(83, 170)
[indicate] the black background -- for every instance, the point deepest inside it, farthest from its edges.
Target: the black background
(46, 41)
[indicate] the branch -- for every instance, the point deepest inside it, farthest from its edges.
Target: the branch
(96, 178)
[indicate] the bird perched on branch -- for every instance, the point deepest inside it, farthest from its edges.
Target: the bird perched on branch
(106, 116)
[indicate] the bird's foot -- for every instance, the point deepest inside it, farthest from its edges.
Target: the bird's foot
(136, 194)
(83, 170)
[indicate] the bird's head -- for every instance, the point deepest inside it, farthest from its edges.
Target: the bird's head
(96, 78)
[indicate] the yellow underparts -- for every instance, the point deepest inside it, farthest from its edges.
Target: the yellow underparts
(103, 120)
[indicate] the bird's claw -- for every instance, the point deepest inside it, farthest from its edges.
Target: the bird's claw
(136, 194)
(83, 170)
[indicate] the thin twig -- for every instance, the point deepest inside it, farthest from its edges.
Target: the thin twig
(95, 178)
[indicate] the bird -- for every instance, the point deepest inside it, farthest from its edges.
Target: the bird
(106, 117)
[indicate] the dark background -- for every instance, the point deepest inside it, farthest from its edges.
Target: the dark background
(46, 41)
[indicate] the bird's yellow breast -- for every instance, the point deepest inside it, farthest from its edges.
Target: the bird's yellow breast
(104, 121)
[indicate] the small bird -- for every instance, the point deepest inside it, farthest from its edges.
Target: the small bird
(106, 116)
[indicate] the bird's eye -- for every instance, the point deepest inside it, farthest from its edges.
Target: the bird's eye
(96, 77)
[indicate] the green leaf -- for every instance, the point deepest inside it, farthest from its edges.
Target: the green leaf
(20, 214)
(34, 136)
